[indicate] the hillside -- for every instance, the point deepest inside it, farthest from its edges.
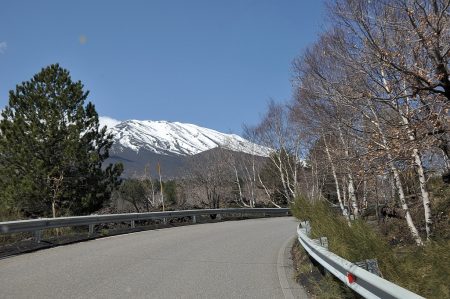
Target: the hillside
(140, 143)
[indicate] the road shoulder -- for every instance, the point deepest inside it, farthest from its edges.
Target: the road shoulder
(285, 268)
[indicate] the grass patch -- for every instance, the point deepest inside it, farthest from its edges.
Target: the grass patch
(315, 280)
(423, 270)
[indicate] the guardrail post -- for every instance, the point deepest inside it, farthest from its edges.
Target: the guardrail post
(133, 225)
(194, 219)
(91, 230)
(370, 265)
(324, 242)
(307, 226)
(37, 234)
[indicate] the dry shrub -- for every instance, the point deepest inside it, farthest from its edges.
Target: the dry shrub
(423, 270)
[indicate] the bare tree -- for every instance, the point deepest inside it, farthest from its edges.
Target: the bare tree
(278, 132)
(212, 174)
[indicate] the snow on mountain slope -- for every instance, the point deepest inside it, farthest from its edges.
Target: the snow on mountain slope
(174, 138)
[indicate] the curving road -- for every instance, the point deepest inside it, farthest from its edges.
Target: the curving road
(235, 259)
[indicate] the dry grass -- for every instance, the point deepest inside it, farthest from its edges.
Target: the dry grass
(315, 280)
(424, 270)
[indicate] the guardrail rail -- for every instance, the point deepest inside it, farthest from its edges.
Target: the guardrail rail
(38, 225)
(358, 279)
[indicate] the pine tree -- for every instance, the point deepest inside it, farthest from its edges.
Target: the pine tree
(52, 149)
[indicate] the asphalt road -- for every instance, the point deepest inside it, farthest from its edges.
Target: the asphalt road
(235, 259)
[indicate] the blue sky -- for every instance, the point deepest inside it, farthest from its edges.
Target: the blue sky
(212, 63)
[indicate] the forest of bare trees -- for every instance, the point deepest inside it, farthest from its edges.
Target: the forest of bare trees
(370, 111)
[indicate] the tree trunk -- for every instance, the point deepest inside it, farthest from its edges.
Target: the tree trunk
(279, 165)
(409, 221)
(53, 209)
(351, 185)
(252, 185)
(420, 171)
(239, 186)
(364, 193)
(336, 181)
(267, 192)
(161, 188)
(398, 182)
(344, 197)
(423, 189)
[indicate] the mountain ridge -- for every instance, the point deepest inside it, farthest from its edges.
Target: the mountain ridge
(176, 138)
(140, 143)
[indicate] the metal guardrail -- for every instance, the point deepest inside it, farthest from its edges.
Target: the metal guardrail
(361, 281)
(36, 225)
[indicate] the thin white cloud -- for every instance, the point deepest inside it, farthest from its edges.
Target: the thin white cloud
(3, 46)
(108, 121)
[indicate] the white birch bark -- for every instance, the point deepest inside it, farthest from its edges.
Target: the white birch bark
(161, 187)
(250, 179)
(336, 181)
(253, 183)
(294, 166)
(422, 181)
(409, 221)
(153, 192)
(314, 180)
(239, 187)
(267, 192)
(283, 181)
(424, 192)
(288, 182)
(417, 159)
(344, 195)
(351, 184)
(397, 180)
(421, 173)
(147, 176)
(365, 193)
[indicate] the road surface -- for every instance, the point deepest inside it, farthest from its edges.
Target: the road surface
(235, 259)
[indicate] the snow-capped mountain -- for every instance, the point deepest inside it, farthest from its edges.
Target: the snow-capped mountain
(174, 138)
